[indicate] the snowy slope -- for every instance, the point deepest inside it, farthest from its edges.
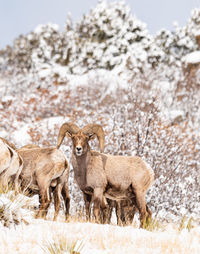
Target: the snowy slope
(96, 239)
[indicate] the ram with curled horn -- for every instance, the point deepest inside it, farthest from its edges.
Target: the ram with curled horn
(97, 170)
(80, 145)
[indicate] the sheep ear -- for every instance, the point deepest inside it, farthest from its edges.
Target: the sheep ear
(68, 134)
(98, 131)
(91, 136)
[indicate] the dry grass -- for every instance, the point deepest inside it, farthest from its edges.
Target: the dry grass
(152, 224)
(6, 187)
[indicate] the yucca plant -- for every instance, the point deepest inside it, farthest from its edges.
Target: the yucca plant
(62, 246)
(14, 207)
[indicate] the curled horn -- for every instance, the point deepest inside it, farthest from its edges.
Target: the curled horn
(69, 128)
(97, 130)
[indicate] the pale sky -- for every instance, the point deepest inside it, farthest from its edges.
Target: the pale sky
(22, 16)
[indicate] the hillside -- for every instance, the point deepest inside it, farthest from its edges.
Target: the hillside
(108, 69)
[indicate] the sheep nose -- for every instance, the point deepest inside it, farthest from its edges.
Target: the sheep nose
(78, 148)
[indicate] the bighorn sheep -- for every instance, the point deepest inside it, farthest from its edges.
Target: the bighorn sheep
(10, 164)
(95, 171)
(126, 208)
(45, 170)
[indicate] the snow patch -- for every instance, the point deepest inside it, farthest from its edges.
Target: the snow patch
(192, 58)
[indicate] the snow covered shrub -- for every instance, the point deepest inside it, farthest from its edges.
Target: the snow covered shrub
(55, 48)
(175, 44)
(138, 128)
(187, 98)
(180, 42)
(110, 36)
(136, 119)
(48, 49)
(20, 53)
(31, 51)
(69, 45)
(194, 22)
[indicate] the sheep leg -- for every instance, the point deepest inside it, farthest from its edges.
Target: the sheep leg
(125, 212)
(107, 212)
(122, 212)
(129, 208)
(118, 208)
(110, 209)
(16, 177)
(48, 204)
(149, 216)
(99, 203)
(130, 215)
(57, 200)
(16, 184)
(87, 199)
(45, 197)
(66, 198)
(44, 203)
(141, 205)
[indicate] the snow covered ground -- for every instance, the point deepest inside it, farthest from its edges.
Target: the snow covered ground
(39, 236)
(96, 239)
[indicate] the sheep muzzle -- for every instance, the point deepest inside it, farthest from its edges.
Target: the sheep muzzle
(79, 150)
